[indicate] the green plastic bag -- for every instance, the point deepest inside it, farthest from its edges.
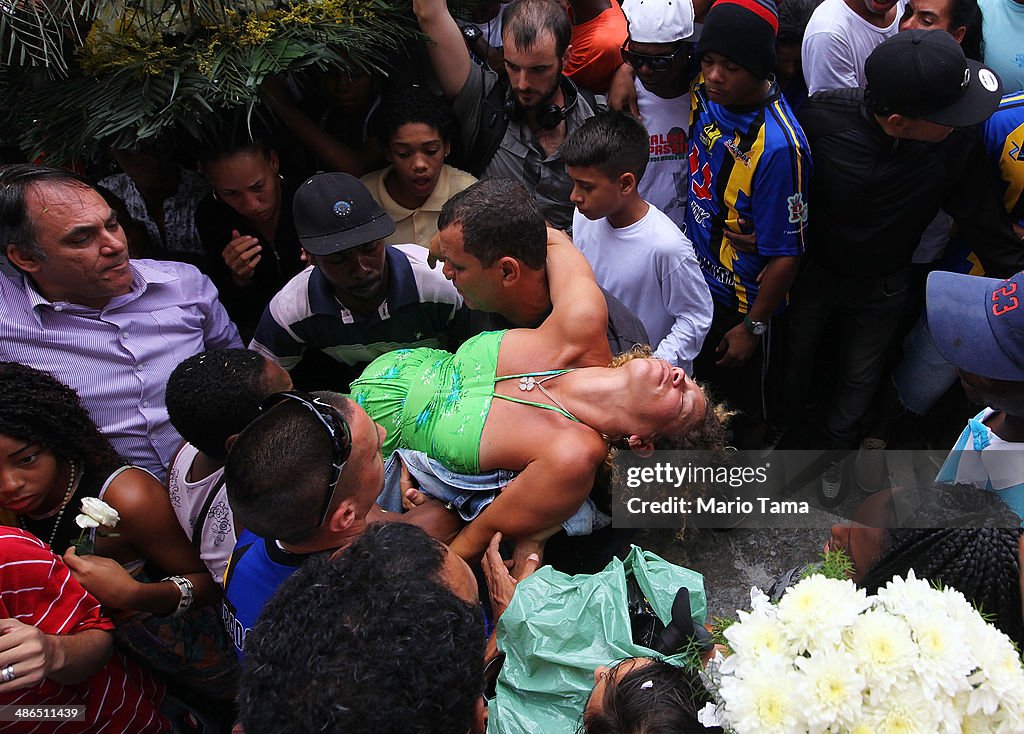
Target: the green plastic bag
(559, 628)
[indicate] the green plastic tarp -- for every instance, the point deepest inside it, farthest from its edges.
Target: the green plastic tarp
(559, 628)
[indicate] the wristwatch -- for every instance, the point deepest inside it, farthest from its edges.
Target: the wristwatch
(757, 328)
(187, 592)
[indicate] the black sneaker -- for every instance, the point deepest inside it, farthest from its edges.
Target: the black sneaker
(831, 492)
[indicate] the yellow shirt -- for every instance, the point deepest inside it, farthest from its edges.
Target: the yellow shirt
(417, 226)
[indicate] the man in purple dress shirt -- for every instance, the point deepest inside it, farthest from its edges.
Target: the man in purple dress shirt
(75, 306)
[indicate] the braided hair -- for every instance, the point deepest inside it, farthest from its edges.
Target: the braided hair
(982, 563)
(37, 408)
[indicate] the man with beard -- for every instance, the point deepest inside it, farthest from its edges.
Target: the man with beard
(361, 298)
(513, 131)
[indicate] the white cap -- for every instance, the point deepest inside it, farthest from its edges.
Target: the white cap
(659, 21)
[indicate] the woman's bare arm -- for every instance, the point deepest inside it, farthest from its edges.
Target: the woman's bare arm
(149, 528)
(545, 494)
(575, 334)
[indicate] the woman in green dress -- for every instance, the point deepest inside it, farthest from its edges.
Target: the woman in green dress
(513, 400)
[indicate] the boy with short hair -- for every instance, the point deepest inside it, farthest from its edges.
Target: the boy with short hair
(638, 254)
(211, 397)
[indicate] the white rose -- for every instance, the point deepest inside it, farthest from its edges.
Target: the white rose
(84, 521)
(100, 511)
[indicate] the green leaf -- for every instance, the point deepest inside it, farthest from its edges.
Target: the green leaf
(150, 81)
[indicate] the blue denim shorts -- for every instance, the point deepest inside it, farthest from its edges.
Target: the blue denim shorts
(468, 494)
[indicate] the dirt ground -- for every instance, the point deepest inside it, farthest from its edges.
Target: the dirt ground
(732, 561)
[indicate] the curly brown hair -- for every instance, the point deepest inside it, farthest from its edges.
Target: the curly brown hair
(38, 408)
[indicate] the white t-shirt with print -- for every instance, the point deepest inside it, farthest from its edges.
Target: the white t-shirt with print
(666, 180)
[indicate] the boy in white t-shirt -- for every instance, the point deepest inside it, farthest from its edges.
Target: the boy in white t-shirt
(978, 325)
(638, 254)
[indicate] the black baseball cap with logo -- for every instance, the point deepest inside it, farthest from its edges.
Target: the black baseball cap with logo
(925, 75)
(334, 212)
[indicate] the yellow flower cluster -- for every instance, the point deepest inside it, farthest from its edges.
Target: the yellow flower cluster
(119, 44)
(204, 58)
(104, 51)
(314, 12)
(256, 30)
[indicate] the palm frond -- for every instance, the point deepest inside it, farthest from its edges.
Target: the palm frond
(37, 32)
(163, 64)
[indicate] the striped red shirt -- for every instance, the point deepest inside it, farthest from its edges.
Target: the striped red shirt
(36, 588)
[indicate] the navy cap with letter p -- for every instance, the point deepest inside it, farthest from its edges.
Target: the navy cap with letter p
(334, 212)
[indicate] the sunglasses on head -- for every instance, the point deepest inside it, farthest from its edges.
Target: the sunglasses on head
(337, 429)
(654, 63)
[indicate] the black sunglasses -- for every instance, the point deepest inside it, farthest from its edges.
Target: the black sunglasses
(654, 63)
(337, 429)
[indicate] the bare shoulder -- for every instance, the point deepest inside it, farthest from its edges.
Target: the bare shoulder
(549, 348)
(135, 490)
(543, 436)
(146, 516)
(577, 443)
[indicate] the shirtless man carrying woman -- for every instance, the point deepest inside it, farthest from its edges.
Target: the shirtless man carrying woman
(512, 400)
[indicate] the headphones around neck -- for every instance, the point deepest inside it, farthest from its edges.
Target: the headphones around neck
(549, 115)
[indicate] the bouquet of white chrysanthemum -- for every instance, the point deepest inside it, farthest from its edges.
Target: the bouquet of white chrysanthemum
(828, 659)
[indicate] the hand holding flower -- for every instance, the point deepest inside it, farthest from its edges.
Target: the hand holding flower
(95, 513)
(104, 578)
(100, 511)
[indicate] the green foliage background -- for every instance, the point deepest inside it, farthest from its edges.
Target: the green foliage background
(79, 75)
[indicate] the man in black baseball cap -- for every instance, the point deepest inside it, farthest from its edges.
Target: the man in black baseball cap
(887, 159)
(334, 212)
(921, 86)
(361, 298)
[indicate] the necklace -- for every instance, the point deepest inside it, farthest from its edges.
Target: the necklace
(529, 382)
(72, 484)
